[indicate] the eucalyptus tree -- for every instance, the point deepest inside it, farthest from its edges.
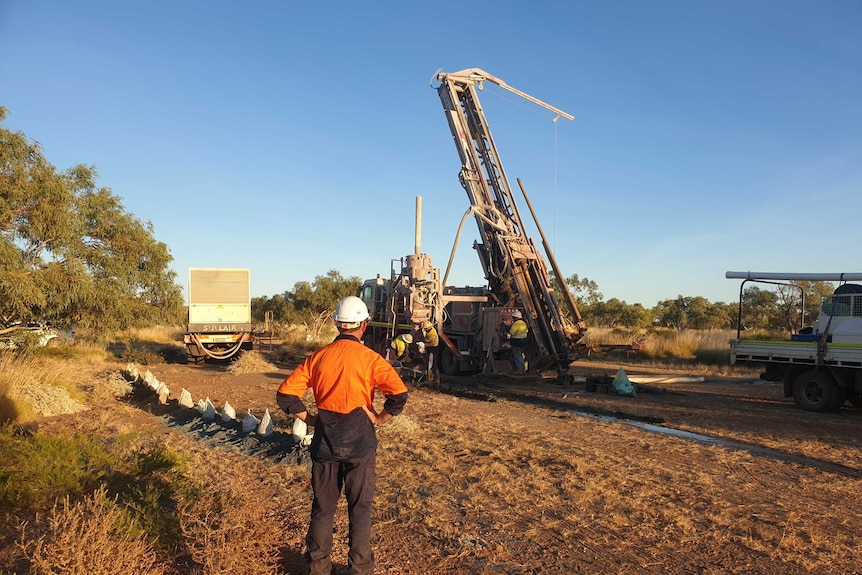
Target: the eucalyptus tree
(69, 251)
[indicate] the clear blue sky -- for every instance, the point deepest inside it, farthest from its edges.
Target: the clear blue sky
(293, 137)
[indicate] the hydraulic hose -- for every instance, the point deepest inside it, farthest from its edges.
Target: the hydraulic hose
(219, 355)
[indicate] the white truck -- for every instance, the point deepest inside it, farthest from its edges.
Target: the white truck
(821, 365)
(219, 314)
(37, 334)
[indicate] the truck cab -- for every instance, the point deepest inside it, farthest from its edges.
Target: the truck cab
(840, 317)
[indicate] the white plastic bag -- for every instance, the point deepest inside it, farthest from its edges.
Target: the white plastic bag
(228, 413)
(249, 422)
(207, 409)
(300, 430)
(264, 428)
(186, 398)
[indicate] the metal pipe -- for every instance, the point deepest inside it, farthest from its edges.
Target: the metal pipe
(813, 277)
(417, 249)
(475, 211)
(455, 245)
(561, 281)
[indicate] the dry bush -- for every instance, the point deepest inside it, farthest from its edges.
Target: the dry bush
(297, 341)
(403, 425)
(233, 531)
(706, 346)
(110, 384)
(32, 386)
(92, 537)
(8, 409)
(250, 362)
(304, 337)
(80, 352)
(154, 334)
(149, 345)
(667, 344)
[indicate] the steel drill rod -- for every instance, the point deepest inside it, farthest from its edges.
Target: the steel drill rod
(561, 281)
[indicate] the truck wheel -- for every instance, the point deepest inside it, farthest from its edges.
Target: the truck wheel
(448, 362)
(816, 391)
(195, 359)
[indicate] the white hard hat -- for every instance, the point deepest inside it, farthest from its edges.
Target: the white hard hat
(407, 338)
(351, 310)
(517, 314)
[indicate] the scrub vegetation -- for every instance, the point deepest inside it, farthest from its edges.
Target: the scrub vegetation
(103, 494)
(468, 481)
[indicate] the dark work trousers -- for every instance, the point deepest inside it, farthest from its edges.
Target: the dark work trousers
(358, 478)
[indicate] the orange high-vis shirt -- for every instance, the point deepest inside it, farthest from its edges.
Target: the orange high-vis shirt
(343, 376)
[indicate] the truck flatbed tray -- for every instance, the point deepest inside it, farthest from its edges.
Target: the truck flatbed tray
(801, 352)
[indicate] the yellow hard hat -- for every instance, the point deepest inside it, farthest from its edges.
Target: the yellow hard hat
(427, 325)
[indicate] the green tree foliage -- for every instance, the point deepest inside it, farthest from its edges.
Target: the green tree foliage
(309, 303)
(685, 312)
(70, 253)
(760, 309)
(597, 312)
(780, 306)
(585, 291)
(616, 313)
(814, 292)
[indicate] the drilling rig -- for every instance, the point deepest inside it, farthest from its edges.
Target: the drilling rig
(471, 321)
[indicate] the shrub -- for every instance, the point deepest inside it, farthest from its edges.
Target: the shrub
(250, 362)
(232, 531)
(704, 346)
(31, 385)
(9, 411)
(148, 481)
(92, 537)
(154, 334)
(713, 356)
(38, 469)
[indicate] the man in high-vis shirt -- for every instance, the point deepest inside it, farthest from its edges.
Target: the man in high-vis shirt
(430, 347)
(400, 346)
(343, 376)
(518, 339)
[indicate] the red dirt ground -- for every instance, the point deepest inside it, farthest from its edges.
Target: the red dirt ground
(503, 475)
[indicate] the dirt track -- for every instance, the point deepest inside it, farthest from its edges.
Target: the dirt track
(496, 475)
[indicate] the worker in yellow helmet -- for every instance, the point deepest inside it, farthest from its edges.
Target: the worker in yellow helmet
(430, 346)
(518, 339)
(399, 346)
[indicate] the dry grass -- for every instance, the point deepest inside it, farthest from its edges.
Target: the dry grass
(31, 386)
(250, 362)
(50, 381)
(91, 537)
(664, 342)
(155, 334)
(233, 531)
(473, 487)
(149, 346)
(8, 409)
(705, 347)
(508, 488)
(301, 337)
